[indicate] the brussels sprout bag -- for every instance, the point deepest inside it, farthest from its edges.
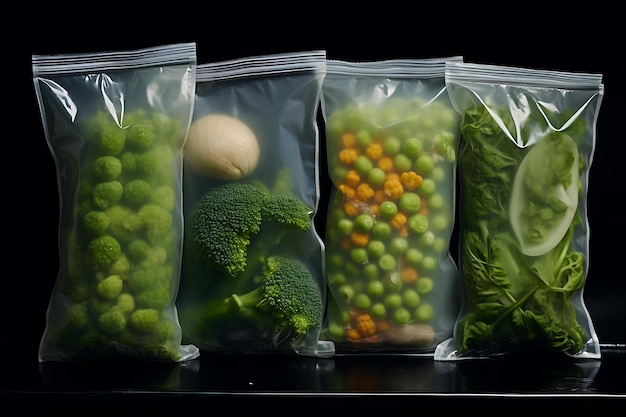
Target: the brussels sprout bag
(116, 123)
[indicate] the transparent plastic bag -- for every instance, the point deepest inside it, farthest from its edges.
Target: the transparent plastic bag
(253, 278)
(115, 123)
(392, 138)
(528, 138)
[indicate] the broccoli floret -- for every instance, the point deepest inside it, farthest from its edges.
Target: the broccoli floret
(96, 222)
(79, 315)
(105, 194)
(287, 300)
(110, 287)
(107, 168)
(138, 250)
(285, 209)
(129, 162)
(140, 137)
(228, 217)
(113, 320)
(164, 196)
(156, 164)
(157, 222)
(120, 267)
(103, 251)
(144, 320)
(125, 222)
(137, 192)
(126, 302)
(112, 140)
(157, 297)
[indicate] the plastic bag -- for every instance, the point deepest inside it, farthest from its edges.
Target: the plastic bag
(392, 138)
(253, 278)
(528, 138)
(115, 123)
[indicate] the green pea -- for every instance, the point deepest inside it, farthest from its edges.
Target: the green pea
(381, 230)
(334, 127)
(391, 145)
(438, 174)
(337, 214)
(427, 238)
(424, 285)
(346, 292)
(364, 222)
(334, 260)
(362, 301)
(414, 256)
(424, 312)
(398, 245)
(376, 177)
(425, 164)
(410, 202)
(411, 298)
(439, 222)
(375, 248)
(440, 244)
(379, 310)
(402, 162)
(363, 138)
(418, 223)
(387, 262)
(428, 187)
(429, 263)
(339, 171)
(401, 316)
(336, 331)
(363, 164)
(435, 201)
(375, 288)
(446, 150)
(392, 301)
(370, 271)
(412, 147)
(359, 255)
(345, 226)
(388, 209)
(337, 278)
(393, 282)
(352, 269)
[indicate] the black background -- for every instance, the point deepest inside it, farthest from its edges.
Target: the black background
(559, 39)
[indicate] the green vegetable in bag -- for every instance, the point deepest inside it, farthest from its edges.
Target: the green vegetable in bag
(520, 286)
(545, 194)
(115, 124)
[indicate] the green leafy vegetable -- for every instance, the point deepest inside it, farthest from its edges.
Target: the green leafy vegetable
(519, 268)
(545, 193)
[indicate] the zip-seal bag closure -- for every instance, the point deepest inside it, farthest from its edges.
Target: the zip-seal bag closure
(528, 138)
(116, 123)
(391, 137)
(253, 277)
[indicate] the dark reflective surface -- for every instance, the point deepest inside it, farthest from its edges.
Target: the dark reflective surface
(355, 381)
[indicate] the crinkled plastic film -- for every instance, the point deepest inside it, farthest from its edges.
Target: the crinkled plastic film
(251, 197)
(392, 138)
(528, 138)
(115, 123)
